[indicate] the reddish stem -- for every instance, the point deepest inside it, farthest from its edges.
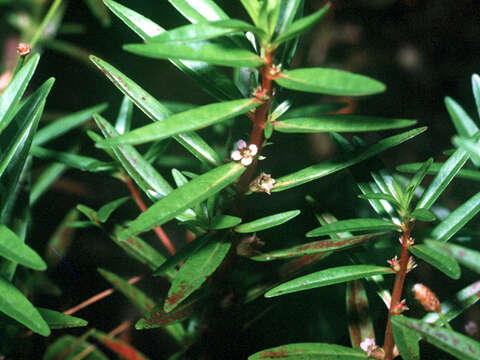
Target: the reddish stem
(397, 293)
(259, 118)
(141, 205)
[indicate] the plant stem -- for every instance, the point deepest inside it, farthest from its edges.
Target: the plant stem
(45, 22)
(397, 293)
(260, 117)
(141, 205)
(444, 321)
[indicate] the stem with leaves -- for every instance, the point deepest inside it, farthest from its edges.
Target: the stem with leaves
(395, 304)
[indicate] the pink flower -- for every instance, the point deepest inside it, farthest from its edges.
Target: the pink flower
(368, 345)
(245, 154)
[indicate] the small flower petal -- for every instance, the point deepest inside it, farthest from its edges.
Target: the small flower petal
(246, 161)
(236, 155)
(253, 149)
(241, 144)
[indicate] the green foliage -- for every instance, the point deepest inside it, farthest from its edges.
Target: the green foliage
(196, 238)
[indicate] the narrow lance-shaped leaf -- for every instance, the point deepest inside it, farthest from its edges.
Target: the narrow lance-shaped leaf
(443, 178)
(223, 222)
(183, 198)
(121, 348)
(327, 277)
(353, 225)
(195, 271)
(65, 124)
(60, 241)
(329, 81)
(20, 134)
(438, 259)
(313, 110)
(467, 257)
(471, 146)
(14, 304)
(331, 166)
(423, 215)
(57, 320)
(454, 343)
(318, 247)
(213, 81)
(212, 53)
(360, 326)
(71, 346)
(186, 121)
(140, 170)
(463, 123)
(124, 117)
(99, 10)
(106, 210)
(267, 222)
(137, 297)
(457, 219)
(417, 180)
(435, 168)
(406, 341)
(476, 90)
(14, 91)
(301, 26)
(339, 123)
(45, 180)
(310, 351)
(14, 249)
(156, 111)
(199, 10)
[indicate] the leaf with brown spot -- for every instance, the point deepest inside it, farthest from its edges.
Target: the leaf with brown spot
(360, 326)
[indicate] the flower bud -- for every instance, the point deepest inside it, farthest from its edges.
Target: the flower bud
(23, 49)
(427, 298)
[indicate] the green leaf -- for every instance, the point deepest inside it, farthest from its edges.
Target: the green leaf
(159, 318)
(124, 118)
(140, 170)
(14, 249)
(57, 320)
(380, 196)
(416, 180)
(253, 9)
(423, 215)
(119, 347)
(476, 90)
(267, 222)
(318, 247)
(435, 168)
(327, 277)
(204, 31)
(353, 225)
(463, 123)
(60, 241)
(75, 161)
(223, 222)
(106, 210)
(213, 81)
(191, 194)
(467, 257)
(456, 344)
(313, 110)
(68, 347)
(182, 254)
(156, 111)
(457, 219)
(190, 120)
(199, 10)
(45, 180)
(339, 123)
(211, 53)
(20, 133)
(65, 124)
(360, 326)
(301, 26)
(12, 94)
(195, 271)
(406, 341)
(310, 351)
(329, 82)
(141, 251)
(99, 10)
(444, 177)
(15, 305)
(457, 304)
(137, 297)
(470, 146)
(438, 259)
(333, 165)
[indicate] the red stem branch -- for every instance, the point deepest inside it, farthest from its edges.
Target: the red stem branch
(397, 293)
(141, 205)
